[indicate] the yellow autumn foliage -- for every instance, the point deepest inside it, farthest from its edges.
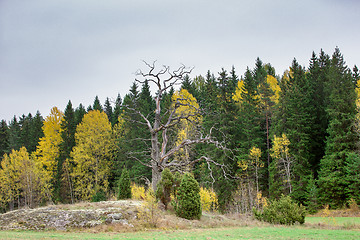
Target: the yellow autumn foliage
(149, 212)
(254, 159)
(20, 179)
(187, 108)
(48, 149)
(255, 154)
(209, 200)
(240, 92)
(357, 91)
(280, 146)
(274, 86)
(92, 155)
(137, 192)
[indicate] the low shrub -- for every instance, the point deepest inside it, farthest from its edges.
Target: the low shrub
(137, 192)
(149, 213)
(99, 196)
(282, 211)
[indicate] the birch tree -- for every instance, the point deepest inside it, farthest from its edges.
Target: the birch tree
(282, 159)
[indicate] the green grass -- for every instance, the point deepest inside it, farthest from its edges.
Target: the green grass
(275, 232)
(335, 221)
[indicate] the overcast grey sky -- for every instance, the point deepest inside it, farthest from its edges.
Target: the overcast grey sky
(52, 51)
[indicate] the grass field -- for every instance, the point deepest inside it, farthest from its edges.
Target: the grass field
(347, 222)
(269, 232)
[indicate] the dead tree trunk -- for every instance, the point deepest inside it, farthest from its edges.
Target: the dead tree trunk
(161, 151)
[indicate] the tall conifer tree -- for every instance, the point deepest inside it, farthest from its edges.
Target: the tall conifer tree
(4, 138)
(97, 104)
(108, 109)
(14, 135)
(342, 138)
(68, 129)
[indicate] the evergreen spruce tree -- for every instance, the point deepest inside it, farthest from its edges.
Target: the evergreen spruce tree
(14, 135)
(25, 137)
(133, 139)
(295, 117)
(188, 196)
(124, 190)
(220, 111)
(36, 131)
(317, 77)
(165, 187)
(187, 84)
(117, 110)
(108, 109)
(97, 104)
(68, 129)
(352, 177)
(4, 138)
(342, 139)
(79, 114)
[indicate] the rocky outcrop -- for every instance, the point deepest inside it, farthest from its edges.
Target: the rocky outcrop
(63, 217)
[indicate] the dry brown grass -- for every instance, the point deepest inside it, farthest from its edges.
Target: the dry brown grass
(169, 221)
(348, 212)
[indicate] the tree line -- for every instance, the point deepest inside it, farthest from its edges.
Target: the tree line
(249, 137)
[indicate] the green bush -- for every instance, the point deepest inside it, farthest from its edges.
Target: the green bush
(99, 196)
(282, 211)
(188, 198)
(124, 185)
(165, 187)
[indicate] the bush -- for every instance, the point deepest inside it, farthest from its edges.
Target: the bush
(148, 213)
(124, 185)
(137, 192)
(165, 187)
(282, 211)
(209, 201)
(99, 196)
(188, 198)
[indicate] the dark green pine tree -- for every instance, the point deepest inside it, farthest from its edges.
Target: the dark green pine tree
(131, 146)
(295, 117)
(14, 135)
(97, 104)
(233, 80)
(68, 129)
(222, 116)
(210, 93)
(187, 84)
(300, 123)
(248, 122)
(265, 106)
(147, 107)
(25, 126)
(4, 138)
(36, 131)
(342, 138)
(79, 114)
(317, 77)
(117, 110)
(108, 109)
(356, 74)
(124, 187)
(147, 102)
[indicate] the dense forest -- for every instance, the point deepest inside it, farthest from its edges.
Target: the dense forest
(247, 137)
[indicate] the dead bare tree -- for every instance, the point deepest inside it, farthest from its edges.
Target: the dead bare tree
(161, 151)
